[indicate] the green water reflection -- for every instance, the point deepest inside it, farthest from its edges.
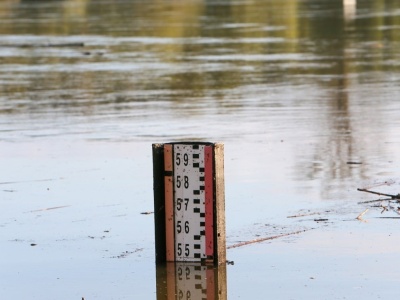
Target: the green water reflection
(192, 48)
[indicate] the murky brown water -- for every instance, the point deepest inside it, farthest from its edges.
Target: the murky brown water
(299, 91)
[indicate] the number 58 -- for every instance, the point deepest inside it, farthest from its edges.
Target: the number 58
(179, 181)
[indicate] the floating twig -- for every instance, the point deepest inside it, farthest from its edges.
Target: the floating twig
(372, 201)
(304, 215)
(28, 181)
(359, 217)
(50, 208)
(265, 239)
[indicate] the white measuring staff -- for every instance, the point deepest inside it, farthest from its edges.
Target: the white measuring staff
(189, 202)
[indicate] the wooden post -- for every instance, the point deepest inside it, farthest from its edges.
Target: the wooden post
(220, 234)
(159, 202)
(189, 202)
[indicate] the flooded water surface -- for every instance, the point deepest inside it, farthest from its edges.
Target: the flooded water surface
(304, 95)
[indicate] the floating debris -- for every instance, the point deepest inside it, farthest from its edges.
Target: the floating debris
(304, 215)
(99, 237)
(146, 213)
(321, 220)
(385, 204)
(359, 217)
(50, 208)
(380, 194)
(126, 253)
(266, 239)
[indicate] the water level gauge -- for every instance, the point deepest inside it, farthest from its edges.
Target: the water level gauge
(189, 202)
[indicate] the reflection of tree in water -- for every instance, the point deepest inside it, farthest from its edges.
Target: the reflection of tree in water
(333, 150)
(213, 51)
(336, 37)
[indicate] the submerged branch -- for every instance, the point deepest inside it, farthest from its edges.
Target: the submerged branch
(380, 194)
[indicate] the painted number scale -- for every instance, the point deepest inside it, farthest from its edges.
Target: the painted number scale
(189, 195)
